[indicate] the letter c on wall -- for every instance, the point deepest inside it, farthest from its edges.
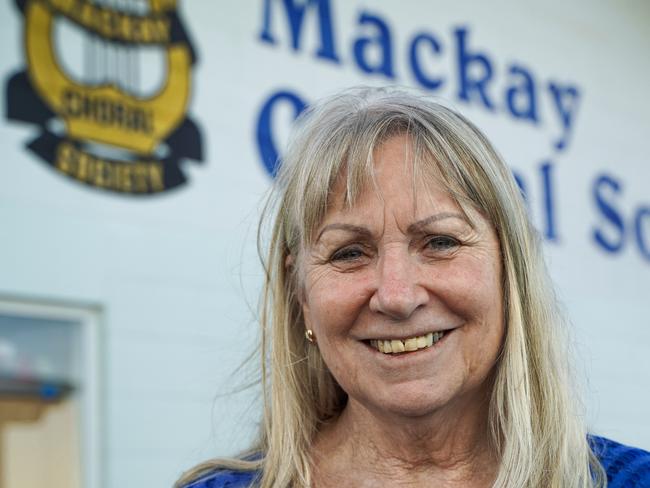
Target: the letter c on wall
(265, 143)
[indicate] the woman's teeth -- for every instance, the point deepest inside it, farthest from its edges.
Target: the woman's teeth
(395, 346)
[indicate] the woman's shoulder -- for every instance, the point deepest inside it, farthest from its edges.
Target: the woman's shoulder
(225, 479)
(626, 466)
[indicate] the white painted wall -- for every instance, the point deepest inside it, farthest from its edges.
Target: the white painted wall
(175, 275)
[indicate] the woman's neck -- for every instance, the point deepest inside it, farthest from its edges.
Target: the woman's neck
(447, 448)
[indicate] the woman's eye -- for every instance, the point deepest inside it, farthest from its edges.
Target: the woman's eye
(347, 254)
(442, 243)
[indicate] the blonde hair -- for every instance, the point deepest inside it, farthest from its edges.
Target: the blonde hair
(535, 424)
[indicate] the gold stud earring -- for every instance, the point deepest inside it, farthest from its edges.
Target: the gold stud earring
(309, 335)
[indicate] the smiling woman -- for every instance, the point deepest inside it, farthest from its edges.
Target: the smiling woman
(410, 332)
(400, 265)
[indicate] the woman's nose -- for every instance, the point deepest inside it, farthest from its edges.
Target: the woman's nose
(398, 293)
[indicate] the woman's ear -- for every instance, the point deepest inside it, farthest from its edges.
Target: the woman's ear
(292, 274)
(290, 266)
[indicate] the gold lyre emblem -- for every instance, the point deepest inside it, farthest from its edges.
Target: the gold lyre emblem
(106, 113)
(88, 85)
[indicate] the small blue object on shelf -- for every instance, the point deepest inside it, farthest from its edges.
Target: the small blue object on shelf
(50, 391)
(34, 388)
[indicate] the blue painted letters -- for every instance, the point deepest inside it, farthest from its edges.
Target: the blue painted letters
(295, 11)
(521, 96)
(566, 100)
(265, 142)
(423, 79)
(607, 185)
(469, 83)
(382, 42)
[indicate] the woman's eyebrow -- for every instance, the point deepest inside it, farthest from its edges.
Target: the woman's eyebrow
(414, 228)
(356, 229)
(420, 225)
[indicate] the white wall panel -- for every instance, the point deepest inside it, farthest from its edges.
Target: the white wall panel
(176, 273)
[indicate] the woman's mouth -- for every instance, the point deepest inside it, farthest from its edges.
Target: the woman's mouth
(397, 346)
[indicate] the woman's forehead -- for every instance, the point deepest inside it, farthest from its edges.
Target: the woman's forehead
(392, 184)
(390, 162)
(404, 163)
(392, 192)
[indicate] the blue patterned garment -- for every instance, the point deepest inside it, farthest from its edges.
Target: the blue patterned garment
(627, 467)
(225, 479)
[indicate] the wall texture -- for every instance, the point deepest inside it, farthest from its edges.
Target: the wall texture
(136, 152)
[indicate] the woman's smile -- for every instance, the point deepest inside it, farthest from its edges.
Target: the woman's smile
(404, 346)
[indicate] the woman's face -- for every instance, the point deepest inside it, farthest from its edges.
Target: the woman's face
(411, 276)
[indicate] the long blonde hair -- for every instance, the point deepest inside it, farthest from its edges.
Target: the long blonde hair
(535, 422)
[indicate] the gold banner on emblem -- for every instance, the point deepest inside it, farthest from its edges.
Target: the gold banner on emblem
(113, 24)
(132, 177)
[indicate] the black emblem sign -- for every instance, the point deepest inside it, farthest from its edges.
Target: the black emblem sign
(97, 125)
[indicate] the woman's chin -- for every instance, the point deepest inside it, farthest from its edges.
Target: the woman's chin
(410, 403)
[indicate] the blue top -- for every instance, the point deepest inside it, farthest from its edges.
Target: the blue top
(626, 467)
